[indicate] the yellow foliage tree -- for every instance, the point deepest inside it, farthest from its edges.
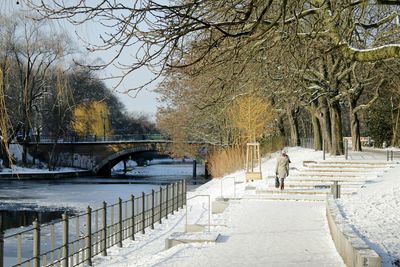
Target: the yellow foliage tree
(92, 118)
(252, 116)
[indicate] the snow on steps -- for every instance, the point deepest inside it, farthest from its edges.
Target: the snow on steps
(309, 184)
(348, 164)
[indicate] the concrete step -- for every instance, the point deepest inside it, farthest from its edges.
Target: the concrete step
(323, 180)
(299, 191)
(341, 170)
(316, 185)
(346, 166)
(286, 197)
(349, 175)
(351, 162)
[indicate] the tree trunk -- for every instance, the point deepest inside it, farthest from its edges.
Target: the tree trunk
(395, 123)
(323, 116)
(294, 127)
(4, 154)
(355, 131)
(336, 129)
(354, 128)
(317, 136)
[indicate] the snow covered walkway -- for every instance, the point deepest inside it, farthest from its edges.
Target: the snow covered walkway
(266, 233)
(256, 230)
(253, 232)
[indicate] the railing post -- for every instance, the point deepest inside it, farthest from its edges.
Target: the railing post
(185, 188)
(89, 236)
(65, 241)
(133, 218)
(166, 203)
(152, 209)
(143, 213)
(183, 192)
(194, 168)
(173, 198)
(391, 155)
(387, 155)
(323, 149)
(1, 242)
(206, 174)
(36, 243)
(160, 204)
(177, 195)
(120, 223)
(346, 148)
(104, 232)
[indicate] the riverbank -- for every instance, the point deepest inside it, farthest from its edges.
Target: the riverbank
(38, 174)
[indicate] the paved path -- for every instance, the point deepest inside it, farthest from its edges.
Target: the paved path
(268, 233)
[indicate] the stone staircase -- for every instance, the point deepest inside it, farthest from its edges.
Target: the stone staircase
(313, 181)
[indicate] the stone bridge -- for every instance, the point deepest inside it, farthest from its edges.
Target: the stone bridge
(99, 157)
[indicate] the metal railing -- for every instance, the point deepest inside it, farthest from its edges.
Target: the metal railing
(74, 240)
(97, 138)
(391, 155)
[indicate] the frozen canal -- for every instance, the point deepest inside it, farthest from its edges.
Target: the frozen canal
(22, 200)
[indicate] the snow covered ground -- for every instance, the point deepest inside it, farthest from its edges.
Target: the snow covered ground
(252, 232)
(256, 232)
(374, 214)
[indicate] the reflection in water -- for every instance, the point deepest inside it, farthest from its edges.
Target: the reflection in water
(17, 218)
(21, 201)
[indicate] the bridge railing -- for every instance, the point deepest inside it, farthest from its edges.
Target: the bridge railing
(97, 138)
(74, 240)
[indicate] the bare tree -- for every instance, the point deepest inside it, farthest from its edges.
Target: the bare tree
(34, 52)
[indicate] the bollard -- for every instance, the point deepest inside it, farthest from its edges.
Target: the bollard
(335, 190)
(346, 148)
(387, 155)
(323, 149)
(194, 168)
(104, 232)
(120, 228)
(89, 236)
(391, 155)
(143, 213)
(65, 251)
(36, 243)
(133, 218)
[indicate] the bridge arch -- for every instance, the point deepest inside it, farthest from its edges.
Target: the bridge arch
(103, 168)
